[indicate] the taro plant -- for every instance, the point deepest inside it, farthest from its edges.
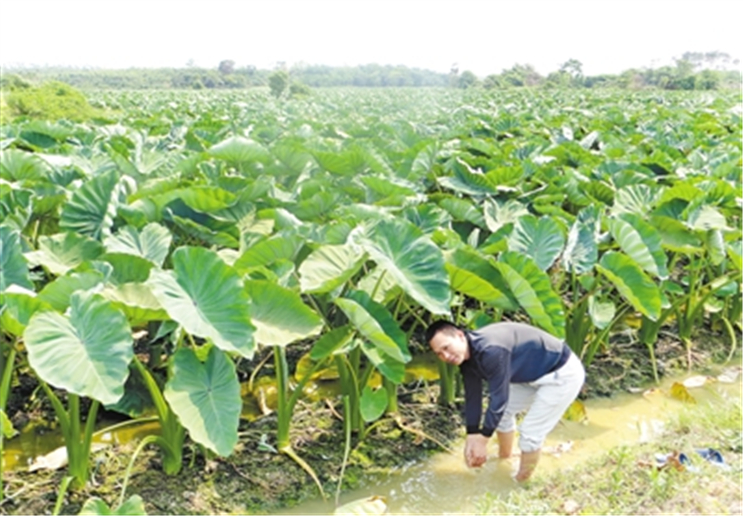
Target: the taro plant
(86, 353)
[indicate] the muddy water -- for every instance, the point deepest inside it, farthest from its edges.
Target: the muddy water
(444, 485)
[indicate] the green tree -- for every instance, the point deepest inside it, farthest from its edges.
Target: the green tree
(278, 82)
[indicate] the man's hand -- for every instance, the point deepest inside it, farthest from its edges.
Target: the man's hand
(476, 450)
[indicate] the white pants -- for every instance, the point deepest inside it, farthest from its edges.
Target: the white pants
(546, 399)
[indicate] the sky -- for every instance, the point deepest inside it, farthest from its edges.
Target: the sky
(483, 36)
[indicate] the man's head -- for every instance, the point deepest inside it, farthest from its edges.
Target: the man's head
(448, 342)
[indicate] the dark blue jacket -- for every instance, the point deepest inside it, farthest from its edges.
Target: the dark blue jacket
(501, 354)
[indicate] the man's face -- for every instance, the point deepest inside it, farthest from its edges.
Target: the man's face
(450, 346)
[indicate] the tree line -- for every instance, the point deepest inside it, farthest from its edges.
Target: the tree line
(693, 71)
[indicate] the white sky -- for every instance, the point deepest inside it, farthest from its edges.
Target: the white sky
(607, 36)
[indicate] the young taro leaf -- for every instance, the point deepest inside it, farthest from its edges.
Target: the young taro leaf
(206, 398)
(328, 267)
(151, 243)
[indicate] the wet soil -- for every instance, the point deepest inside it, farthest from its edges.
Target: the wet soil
(257, 480)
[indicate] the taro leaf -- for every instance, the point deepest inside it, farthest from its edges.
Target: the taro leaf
(533, 290)
(380, 285)
(206, 398)
(17, 310)
(540, 239)
(641, 242)
(499, 214)
(328, 267)
(57, 293)
(391, 368)
(428, 217)
(632, 283)
(375, 323)
(269, 251)
(675, 236)
(137, 302)
(134, 505)
(279, 314)
(715, 244)
(462, 210)
(373, 403)
(205, 296)
(706, 218)
(92, 208)
(237, 149)
(127, 268)
(13, 268)
(331, 342)
(475, 277)
(638, 199)
(581, 250)
(601, 312)
(151, 243)
(87, 353)
(734, 251)
(20, 166)
(415, 263)
(465, 181)
(64, 251)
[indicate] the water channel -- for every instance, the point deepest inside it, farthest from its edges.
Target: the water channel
(444, 485)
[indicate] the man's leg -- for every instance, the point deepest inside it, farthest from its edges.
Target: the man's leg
(520, 397)
(505, 444)
(555, 392)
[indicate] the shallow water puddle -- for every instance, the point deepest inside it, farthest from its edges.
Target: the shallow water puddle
(444, 485)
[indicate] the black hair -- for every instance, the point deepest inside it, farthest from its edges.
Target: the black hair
(437, 326)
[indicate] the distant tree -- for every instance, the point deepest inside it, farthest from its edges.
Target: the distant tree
(572, 67)
(467, 80)
(227, 66)
(278, 82)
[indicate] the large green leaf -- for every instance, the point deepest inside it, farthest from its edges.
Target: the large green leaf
(390, 368)
(269, 251)
(13, 268)
(86, 353)
(64, 251)
(24, 167)
(328, 267)
(136, 301)
(206, 398)
(58, 292)
(375, 323)
(151, 243)
(17, 310)
(331, 342)
(238, 149)
(499, 214)
(92, 208)
(641, 242)
(581, 250)
(632, 283)
(532, 288)
(280, 316)
(540, 239)
(206, 297)
(416, 263)
(475, 277)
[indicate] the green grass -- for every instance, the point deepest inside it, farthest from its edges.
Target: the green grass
(619, 483)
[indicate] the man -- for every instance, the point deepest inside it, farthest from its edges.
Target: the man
(525, 368)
